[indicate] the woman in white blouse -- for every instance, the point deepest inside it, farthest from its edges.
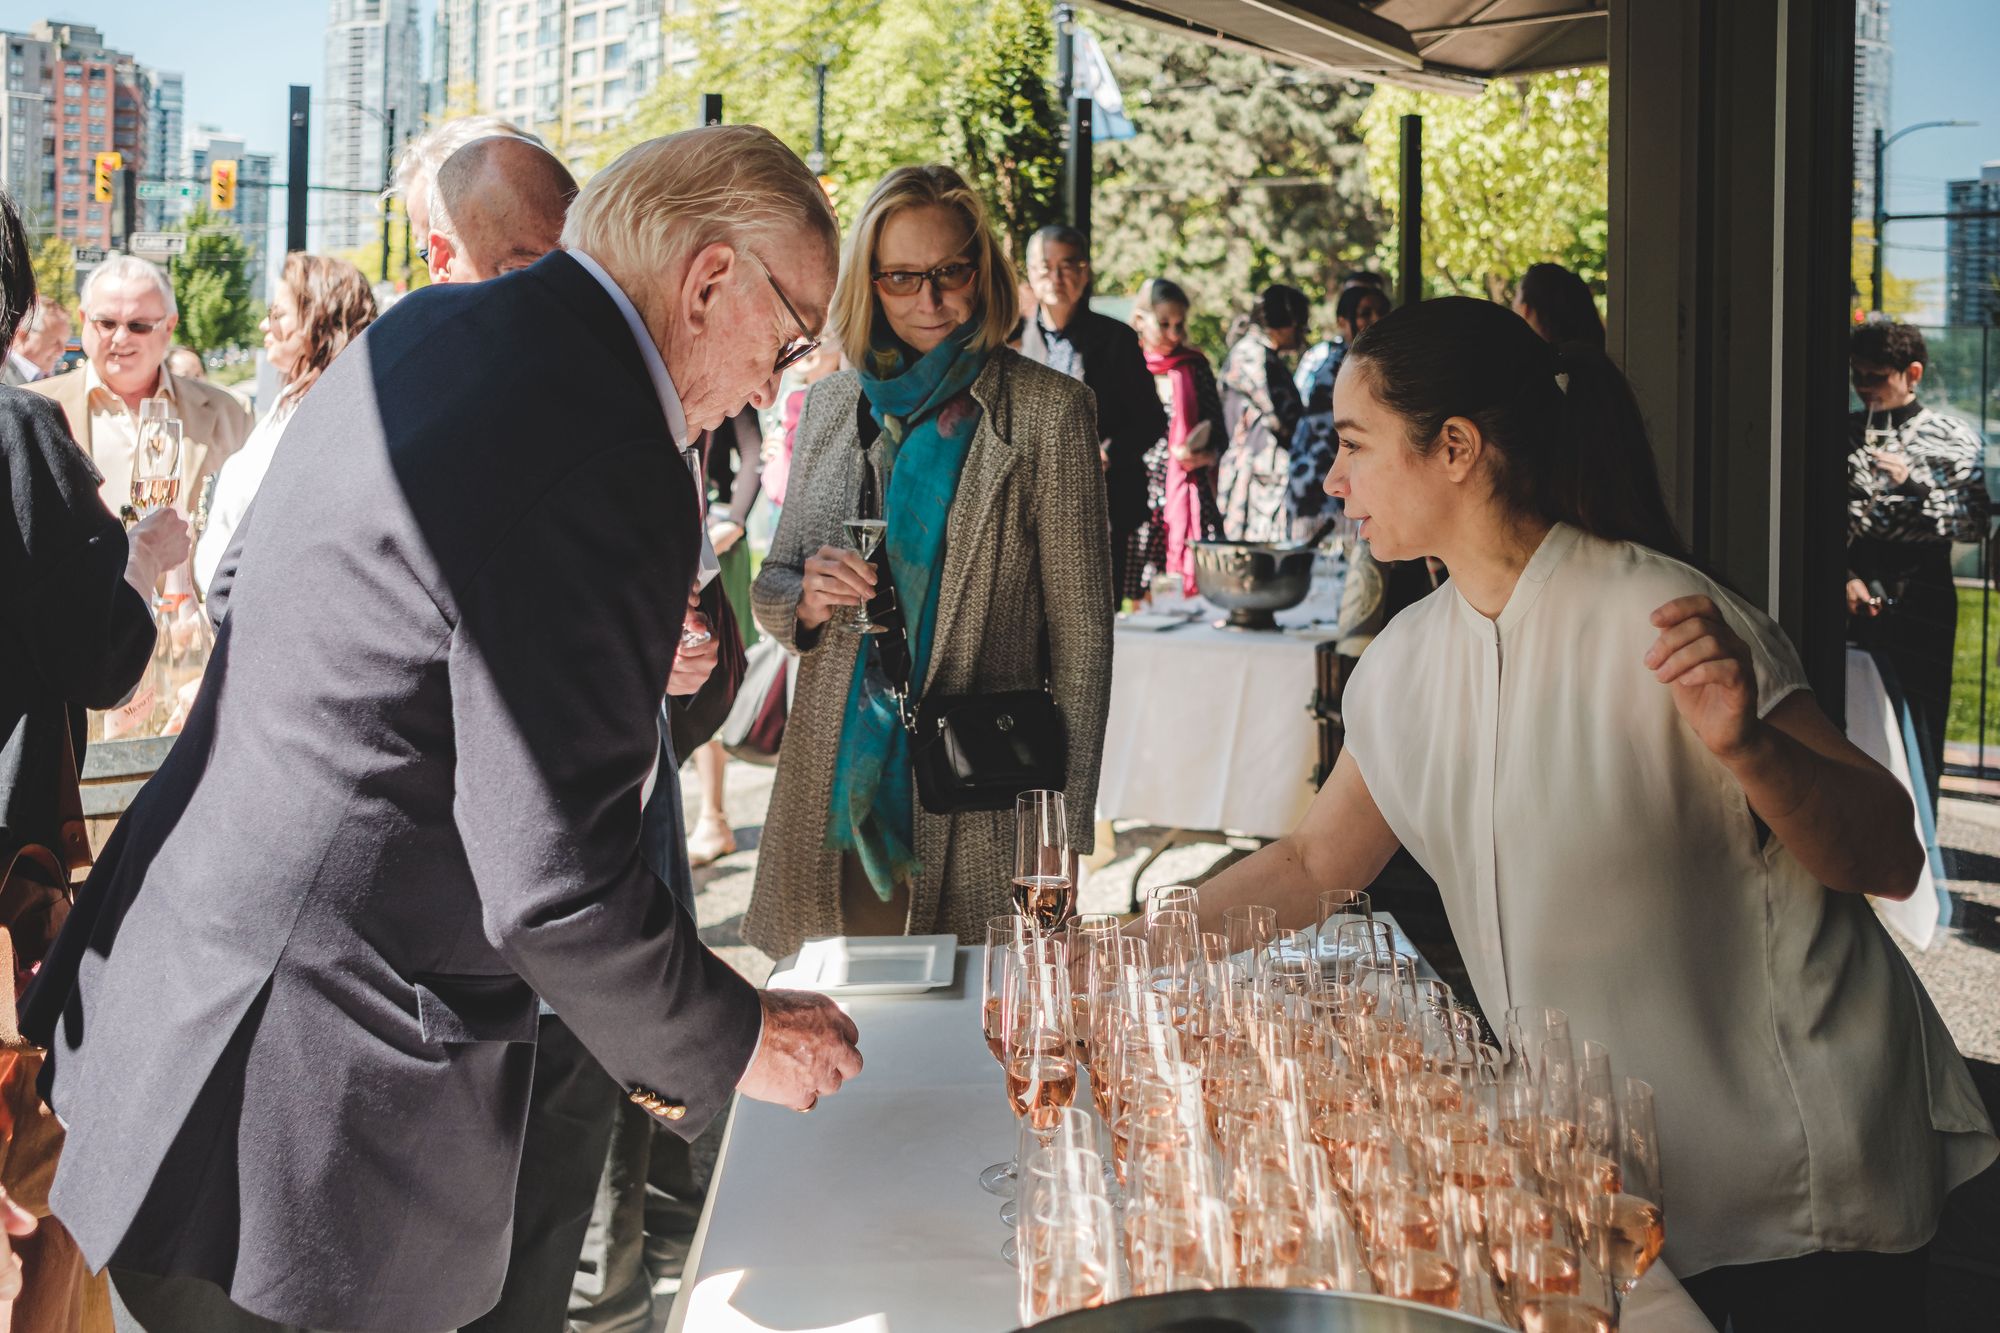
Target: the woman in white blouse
(1635, 811)
(322, 304)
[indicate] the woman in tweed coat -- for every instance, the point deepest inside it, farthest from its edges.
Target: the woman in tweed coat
(1025, 559)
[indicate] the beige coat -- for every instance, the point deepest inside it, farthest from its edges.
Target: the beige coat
(213, 424)
(1027, 546)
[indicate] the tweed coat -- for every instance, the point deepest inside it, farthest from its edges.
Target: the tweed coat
(1027, 546)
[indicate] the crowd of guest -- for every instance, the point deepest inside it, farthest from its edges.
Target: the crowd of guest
(469, 703)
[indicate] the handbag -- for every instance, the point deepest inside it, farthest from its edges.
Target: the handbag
(755, 727)
(970, 751)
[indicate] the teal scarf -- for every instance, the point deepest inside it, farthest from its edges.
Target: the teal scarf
(927, 419)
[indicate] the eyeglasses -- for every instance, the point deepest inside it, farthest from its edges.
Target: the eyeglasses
(796, 349)
(138, 328)
(1068, 268)
(1870, 379)
(950, 277)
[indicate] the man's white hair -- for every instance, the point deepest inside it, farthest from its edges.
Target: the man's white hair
(423, 155)
(665, 199)
(121, 269)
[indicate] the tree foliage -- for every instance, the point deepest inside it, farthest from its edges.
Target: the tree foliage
(55, 272)
(212, 286)
(1243, 173)
(1900, 297)
(1005, 118)
(406, 271)
(1516, 176)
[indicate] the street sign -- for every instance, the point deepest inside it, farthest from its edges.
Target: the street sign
(158, 243)
(162, 190)
(87, 256)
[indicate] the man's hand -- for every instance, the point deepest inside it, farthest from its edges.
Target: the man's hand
(1891, 464)
(693, 665)
(833, 577)
(1860, 601)
(807, 1050)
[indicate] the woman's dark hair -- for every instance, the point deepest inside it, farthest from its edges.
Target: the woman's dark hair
(17, 273)
(1882, 342)
(1562, 304)
(1348, 307)
(1280, 307)
(1571, 449)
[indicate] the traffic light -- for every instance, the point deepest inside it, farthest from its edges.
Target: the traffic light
(108, 165)
(222, 184)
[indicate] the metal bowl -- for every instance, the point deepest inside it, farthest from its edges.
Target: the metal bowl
(1253, 581)
(1264, 1311)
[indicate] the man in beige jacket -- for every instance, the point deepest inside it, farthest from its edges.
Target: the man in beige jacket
(129, 317)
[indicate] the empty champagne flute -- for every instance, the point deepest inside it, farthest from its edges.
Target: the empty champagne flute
(1043, 890)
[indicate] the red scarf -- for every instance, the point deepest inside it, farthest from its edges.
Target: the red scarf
(1183, 504)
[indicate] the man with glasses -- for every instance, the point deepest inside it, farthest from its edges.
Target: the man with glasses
(291, 1018)
(1915, 484)
(129, 316)
(1064, 333)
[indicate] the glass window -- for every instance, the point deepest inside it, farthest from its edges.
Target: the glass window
(521, 69)
(616, 95)
(586, 98)
(96, 213)
(520, 41)
(617, 21)
(583, 65)
(72, 90)
(614, 58)
(584, 29)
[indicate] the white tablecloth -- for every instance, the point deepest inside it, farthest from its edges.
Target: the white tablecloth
(1210, 729)
(866, 1216)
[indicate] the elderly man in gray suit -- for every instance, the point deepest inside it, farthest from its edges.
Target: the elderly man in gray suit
(291, 1020)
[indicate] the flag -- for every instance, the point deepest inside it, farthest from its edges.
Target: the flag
(1095, 80)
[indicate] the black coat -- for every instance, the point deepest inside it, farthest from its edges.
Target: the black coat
(73, 633)
(292, 1017)
(1130, 417)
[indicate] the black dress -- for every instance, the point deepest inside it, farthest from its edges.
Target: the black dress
(73, 633)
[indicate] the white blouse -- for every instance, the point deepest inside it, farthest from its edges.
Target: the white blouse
(235, 487)
(1593, 855)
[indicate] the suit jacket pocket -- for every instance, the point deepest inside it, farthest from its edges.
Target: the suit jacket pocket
(462, 1008)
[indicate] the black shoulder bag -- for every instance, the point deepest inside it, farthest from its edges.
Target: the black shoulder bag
(969, 751)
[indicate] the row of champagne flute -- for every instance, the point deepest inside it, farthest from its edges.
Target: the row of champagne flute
(1305, 1109)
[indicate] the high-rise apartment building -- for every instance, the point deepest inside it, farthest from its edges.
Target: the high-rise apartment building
(88, 99)
(373, 88)
(166, 149)
(567, 69)
(252, 215)
(456, 44)
(1872, 53)
(1972, 249)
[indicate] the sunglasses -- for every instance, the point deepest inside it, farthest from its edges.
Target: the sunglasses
(950, 277)
(795, 349)
(138, 328)
(1871, 379)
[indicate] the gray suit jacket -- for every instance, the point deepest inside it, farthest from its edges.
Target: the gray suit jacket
(291, 1021)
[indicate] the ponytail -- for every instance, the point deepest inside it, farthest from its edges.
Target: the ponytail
(1568, 441)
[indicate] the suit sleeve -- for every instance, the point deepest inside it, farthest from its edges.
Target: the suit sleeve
(1076, 601)
(95, 632)
(557, 663)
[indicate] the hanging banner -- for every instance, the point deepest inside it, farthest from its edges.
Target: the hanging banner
(1095, 81)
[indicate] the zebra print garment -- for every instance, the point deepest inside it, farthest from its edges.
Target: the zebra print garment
(1943, 499)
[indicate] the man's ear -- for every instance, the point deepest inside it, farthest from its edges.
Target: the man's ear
(1916, 373)
(712, 266)
(440, 257)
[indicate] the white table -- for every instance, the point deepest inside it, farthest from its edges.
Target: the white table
(1211, 729)
(866, 1215)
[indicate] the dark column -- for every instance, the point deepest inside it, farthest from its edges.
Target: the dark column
(711, 108)
(1076, 166)
(298, 169)
(1410, 214)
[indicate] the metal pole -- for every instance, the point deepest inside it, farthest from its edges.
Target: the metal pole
(1410, 216)
(388, 179)
(1065, 54)
(298, 168)
(816, 159)
(1076, 183)
(711, 108)
(1881, 221)
(1985, 558)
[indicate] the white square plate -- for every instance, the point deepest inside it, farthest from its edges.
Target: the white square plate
(871, 965)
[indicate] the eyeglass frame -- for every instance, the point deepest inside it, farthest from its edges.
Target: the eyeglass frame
(797, 349)
(930, 277)
(131, 326)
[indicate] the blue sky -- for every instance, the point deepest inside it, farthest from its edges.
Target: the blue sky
(239, 57)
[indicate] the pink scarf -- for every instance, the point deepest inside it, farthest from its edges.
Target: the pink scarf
(1183, 505)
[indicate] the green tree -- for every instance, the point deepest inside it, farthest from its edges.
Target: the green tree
(1004, 117)
(55, 272)
(402, 254)
(1242, 173)
(1516, 176)
(212, 285)
(1899, 295)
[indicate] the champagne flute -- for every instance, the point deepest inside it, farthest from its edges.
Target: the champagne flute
(1627, 1228)
(1003, 955)
(1043, 890)
(156, 462)
(1556, 1293)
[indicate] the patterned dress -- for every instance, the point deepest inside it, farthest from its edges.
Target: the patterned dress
(1261, 407)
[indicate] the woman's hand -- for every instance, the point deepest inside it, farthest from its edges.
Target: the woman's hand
(1708, 669)
(833, 577)
(156, 544)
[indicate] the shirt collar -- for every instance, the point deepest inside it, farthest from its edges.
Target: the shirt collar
(93, 383)
(25, 366)
(656, 367)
